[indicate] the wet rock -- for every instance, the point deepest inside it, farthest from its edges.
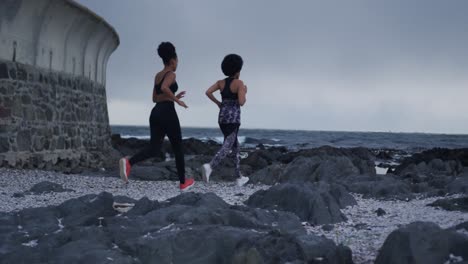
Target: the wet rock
(314, 169)
(314, 203)
(47, 187)
(459, 185)
(422, 242)
(379, 186)
(269, 175)
(436, 161)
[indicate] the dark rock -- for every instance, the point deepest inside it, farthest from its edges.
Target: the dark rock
(130, 146)
(328, 227)
(269, 175)
(437, 160)
(361, 226)
(380, 212)
(262, 158)
(384, 155)
(143, 206)
(86, 210)
(47, 187)
(316, 169)
(456, 204)
(459, 185)
(379, 186)
(313, 203)
(124, 199)
(422, 242)
(18, 195)
(361, 158)
(463, 225)
(207, 230)
(153, 173)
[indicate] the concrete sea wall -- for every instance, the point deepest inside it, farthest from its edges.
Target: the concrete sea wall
(53, 109)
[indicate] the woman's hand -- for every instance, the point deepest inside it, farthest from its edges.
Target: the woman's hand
(180, 95)
(181, 103)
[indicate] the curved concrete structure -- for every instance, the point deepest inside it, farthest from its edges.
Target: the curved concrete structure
(53, 106)
(58, 35)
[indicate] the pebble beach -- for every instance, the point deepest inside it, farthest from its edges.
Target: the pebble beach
(364, 232)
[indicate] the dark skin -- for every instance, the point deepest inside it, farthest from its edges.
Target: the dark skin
(237, 86)
(167, 94)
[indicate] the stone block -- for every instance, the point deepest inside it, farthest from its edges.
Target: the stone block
(4, 144)
(26, 99)
(29, 113)
(23, 140)
(5, 112)
(21, 74)
(60, 143)
(39, 143)
(4, 71)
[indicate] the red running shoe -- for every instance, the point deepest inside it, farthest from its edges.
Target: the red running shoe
(187, 185)
(125, 167)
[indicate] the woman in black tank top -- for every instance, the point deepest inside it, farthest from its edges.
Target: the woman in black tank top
(233, 93)
(163, 119)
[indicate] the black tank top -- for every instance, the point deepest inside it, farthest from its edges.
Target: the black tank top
(226, 93)
(157, 87)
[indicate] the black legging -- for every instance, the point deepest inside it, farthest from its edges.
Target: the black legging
(164, 121)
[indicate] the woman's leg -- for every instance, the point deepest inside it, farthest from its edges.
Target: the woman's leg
(235, 155)
(230, 141)
(156, 141)
(174, 134)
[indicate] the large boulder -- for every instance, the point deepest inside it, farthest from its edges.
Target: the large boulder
(189, 228)
(424, 243)
(320, 168)
(362, 158)
(259, 159)
(269, 175)
(379, 186)
(436, 161)
(316, 203)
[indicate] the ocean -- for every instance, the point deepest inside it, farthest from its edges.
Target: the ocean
(296, 139)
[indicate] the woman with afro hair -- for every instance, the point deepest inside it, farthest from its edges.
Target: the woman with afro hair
(233, 94)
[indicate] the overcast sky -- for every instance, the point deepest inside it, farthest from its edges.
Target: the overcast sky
(353, 65)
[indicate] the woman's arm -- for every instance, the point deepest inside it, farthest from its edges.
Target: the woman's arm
(242, 93)
(170, 78)
(210, 92)
(155, 95)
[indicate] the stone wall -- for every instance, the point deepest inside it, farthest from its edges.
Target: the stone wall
(53, 109)
(51, 120)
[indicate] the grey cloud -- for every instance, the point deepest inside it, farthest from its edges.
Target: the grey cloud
(347, 65)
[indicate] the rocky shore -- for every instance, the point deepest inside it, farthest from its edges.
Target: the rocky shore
(322, 205)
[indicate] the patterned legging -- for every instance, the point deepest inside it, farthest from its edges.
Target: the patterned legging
(230, 148)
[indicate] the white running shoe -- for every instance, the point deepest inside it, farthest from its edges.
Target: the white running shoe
(206, 172)
(242, 180)
(125, 168)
